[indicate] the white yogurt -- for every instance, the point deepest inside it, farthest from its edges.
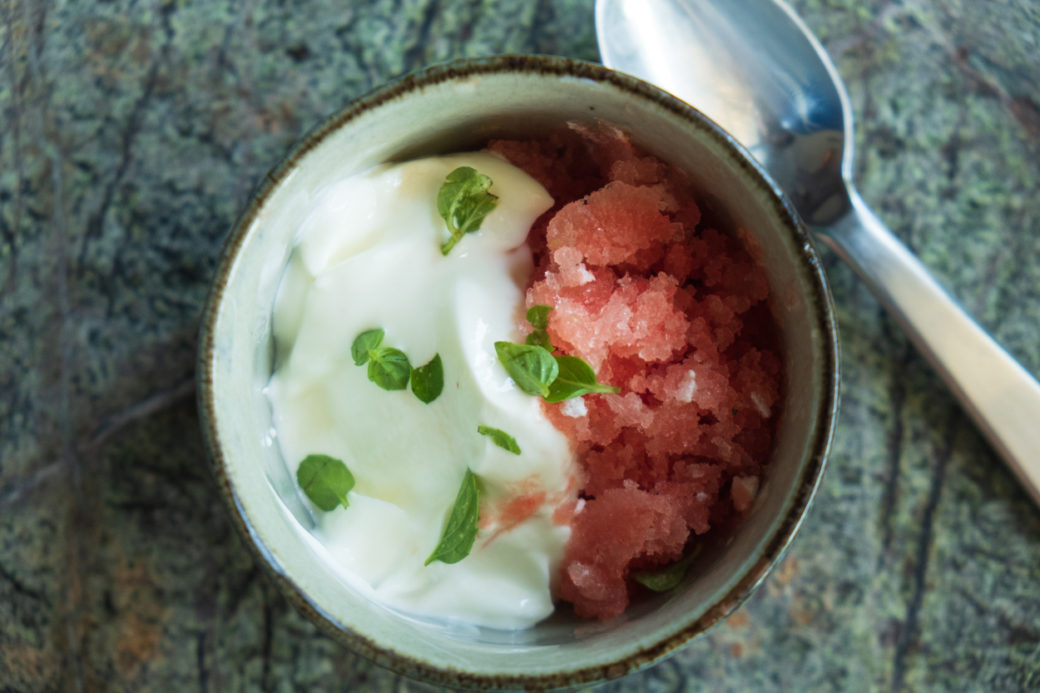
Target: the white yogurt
(369, 256)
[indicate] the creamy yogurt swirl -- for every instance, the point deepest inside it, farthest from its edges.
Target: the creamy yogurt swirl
(367, 256)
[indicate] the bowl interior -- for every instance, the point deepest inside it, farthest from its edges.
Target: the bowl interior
(455, 109)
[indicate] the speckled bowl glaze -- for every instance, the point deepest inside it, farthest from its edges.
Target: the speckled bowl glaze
(458, 107)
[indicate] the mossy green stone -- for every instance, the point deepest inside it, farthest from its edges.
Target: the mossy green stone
(132, 135)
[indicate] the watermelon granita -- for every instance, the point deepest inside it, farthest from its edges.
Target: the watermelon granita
(673, 311)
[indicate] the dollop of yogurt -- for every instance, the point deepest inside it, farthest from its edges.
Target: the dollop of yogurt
(367, 256)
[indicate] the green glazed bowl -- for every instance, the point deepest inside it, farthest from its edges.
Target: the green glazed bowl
(458, 107)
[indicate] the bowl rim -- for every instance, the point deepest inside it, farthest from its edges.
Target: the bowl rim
(822, 320)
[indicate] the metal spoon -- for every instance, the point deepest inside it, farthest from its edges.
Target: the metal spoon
(754, 68)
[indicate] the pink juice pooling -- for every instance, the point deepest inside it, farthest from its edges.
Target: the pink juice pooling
(674, 312)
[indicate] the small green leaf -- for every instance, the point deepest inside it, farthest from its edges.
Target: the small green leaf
(533, 368)
(428, 380)
(540, 338)
(463, 201)
(669, 577)
(500, 438)
(389, 368)
(575, 378)
(460, 531)
(325, 480)
(538, 316)
(364, 343)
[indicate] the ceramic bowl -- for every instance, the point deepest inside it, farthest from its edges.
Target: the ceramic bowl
(455, 108)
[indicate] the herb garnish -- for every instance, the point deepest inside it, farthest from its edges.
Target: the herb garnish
(537, 371)
(463, 201)
(364, 344)
(325, 480)
(387, 367)
(575, 378)
(538, 316)
(500, 438)
(532, 367)
(428, 380)
(390, 369)
(460, 531)
(668, 577)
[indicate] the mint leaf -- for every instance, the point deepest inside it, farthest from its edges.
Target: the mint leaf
(389, 368)
(575, 378)
(325, 480)
(364, 343)
(500, 438)
(538, 316)
(532, 367)
(463, 201)
(669, 577)
(428, 380)
(460, 531)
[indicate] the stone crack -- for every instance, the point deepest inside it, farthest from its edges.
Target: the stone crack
(10, 493)
(20, 587)
(152, 404)
(95, 221)
(894, 445)
(908, 636)
(413, 56)
(8, 231)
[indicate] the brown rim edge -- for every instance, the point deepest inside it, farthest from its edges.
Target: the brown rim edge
(773, 549)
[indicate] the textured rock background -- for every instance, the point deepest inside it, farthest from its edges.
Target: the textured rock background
(132, 132)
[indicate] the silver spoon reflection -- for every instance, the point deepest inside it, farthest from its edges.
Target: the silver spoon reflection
(754, 68)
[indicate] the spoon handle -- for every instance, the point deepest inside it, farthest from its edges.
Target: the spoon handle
(999, 394)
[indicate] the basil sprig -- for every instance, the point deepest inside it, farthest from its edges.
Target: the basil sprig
(460, 531)
(387, 367)
(325, 480)
(537, 371)
(463, 201)
(390, 369)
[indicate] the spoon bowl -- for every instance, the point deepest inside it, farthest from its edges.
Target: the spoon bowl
(754, 68)
(774, 90)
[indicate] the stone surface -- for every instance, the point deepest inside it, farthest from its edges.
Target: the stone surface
(134, 131)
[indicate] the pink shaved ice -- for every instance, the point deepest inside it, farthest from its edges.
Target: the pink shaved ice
(673, 311)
